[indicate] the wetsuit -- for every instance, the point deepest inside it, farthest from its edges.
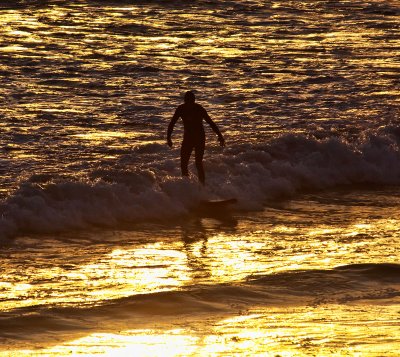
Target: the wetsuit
(192, 115)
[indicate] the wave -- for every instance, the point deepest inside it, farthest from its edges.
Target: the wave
(297, 163)
(344, 284)
(146, 185)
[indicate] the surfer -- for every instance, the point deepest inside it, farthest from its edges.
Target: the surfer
(192, 115)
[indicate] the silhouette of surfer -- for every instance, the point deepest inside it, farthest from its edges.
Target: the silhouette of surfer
(194, 137)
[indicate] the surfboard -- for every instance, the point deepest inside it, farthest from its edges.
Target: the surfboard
(221, 210)
(217, 204)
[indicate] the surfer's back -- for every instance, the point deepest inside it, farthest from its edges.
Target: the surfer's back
(192, 115)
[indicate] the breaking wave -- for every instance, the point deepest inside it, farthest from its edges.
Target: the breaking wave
(151, 189)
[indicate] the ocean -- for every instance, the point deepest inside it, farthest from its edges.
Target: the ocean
(103, 248)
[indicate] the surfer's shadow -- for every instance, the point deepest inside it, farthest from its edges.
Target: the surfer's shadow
(201, 227)
(195, 234)
(193, 231)
(221, 220)
(195, 243)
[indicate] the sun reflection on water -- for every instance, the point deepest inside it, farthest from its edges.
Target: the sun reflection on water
(133, 343)
(96, 67)
(328, 330)
(207, 259)
(208, 256)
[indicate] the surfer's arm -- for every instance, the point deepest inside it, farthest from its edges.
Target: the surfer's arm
(214, 127)
(171, 126)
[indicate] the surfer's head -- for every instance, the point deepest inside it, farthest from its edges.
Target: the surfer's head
(189, 97)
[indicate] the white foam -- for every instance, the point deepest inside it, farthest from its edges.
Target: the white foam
(253, 174)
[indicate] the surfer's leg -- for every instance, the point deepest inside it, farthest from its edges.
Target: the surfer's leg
(186, 151)
(199, 153)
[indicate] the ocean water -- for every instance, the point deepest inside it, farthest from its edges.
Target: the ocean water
(103, 249)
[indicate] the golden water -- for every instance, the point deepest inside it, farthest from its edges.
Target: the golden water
(83, 85)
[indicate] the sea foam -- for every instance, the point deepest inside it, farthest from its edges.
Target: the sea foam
(254, 174)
